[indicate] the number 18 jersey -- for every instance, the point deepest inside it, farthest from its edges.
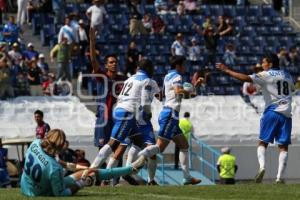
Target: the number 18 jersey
(137, 90)
(277, 87)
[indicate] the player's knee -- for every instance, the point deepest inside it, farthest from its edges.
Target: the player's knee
(113, 144)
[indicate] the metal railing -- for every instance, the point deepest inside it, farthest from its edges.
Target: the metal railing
(207, 156)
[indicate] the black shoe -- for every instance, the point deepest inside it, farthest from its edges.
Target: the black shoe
(130, 180)
(153, 182)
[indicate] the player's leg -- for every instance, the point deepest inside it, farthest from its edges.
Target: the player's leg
(283, 139)
(268, 130)
(132, 154)
(183, 145)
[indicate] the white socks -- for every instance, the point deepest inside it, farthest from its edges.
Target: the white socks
(184, 161)
(149, 151)
(282, 161)
(112, 163)
(132, 154)
(151, 169)
(102, 155)
(261, 156)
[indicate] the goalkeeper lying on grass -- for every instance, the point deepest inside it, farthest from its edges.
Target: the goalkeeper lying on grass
(44, 176)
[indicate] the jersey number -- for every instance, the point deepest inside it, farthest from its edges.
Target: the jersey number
(127, 87)
(34, 171)
(283, 87)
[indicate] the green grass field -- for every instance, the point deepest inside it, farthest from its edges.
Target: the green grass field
(237, 192)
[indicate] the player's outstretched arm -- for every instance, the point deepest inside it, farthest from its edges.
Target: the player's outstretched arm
(94, 61)
(239, 76)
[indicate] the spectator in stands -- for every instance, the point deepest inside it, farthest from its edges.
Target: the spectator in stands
(6, 89)
(66, 31)
(229, 57)
(297, 86)
(83, 37)
(67, 154)
(22, 12)
(294, 56)
(96, 14)
(227, 167)
(2, 9)
(42, 127)
(42, 64)
(80, 158)
(49, 85)
(211, 43)
(158, 25)
(4, 176)
(194, 52)
(206, 25)
(225, 27)
(11, 31)
(161, 6)
(277, 5)
(59, 11)
(147, 22)
(178, 46)
(35, 78)
(15, 54)
(22, 86)
(199, 80)
(30, 53)
(191, 7)
(62, 53)
(132, 59)
(186, 127)
(283, 58)
(136, 25)
(180, 9)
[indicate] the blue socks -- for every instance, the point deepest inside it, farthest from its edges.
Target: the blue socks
(107, 174)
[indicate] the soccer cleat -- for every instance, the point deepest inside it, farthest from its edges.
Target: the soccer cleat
(138, 164)
(280, 181)
(89, 181)
(191, 181)
(130, 180)
(259, 176)
(153, 183)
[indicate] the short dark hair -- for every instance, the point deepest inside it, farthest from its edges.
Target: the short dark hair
(176, 60)
(272, 58)
(110, 55)
(186, 115)
(39, 112)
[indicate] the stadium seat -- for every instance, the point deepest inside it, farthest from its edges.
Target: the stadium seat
(254, 10)
(229, 10)
(267, 10)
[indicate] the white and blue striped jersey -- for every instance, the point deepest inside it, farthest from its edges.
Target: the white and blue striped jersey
(277, 87)
(172, 79)
(137, 91)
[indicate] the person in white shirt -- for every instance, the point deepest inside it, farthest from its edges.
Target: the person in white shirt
(22, 12)
(194, 52)
(96, 14)
(67, 31)
(136, 95)
(276, 123)
(169, 120)
(15, 55)
(178, 47)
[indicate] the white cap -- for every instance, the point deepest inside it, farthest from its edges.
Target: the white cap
(81, 21)
(29, 44)
(225, 150)
(41, 56)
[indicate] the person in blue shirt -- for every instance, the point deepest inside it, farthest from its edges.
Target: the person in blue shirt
(11, 31)
(43, 175)
(4, 177)
(30, 52)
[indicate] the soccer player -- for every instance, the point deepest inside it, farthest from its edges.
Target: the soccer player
(110, 85)
(276, 123)
(44, 176)
(169, 122)
(42, 127)
(136, 95)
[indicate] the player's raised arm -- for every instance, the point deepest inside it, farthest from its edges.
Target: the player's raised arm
(239, 76)
(94, 61)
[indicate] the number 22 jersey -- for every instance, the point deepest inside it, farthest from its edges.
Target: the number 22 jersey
(42, 175)
(277, 87)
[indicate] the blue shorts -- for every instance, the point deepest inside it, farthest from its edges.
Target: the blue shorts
(4, 177)
(168, 123)
(125, 125)
(276, 126)
(147, 133)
